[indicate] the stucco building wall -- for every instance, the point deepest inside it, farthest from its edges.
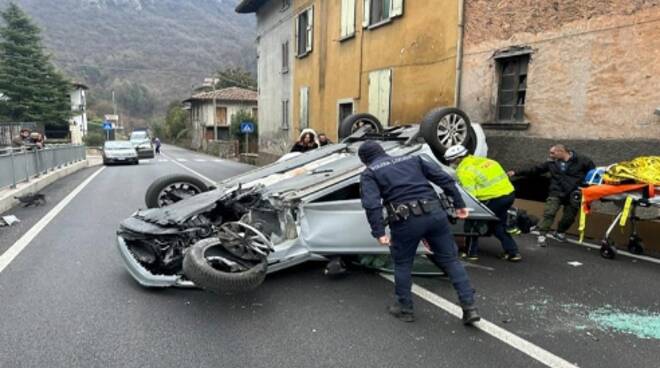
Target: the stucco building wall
(274, 27)
(419, 47)
(593, 76)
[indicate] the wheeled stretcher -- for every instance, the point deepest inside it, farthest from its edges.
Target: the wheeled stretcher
(629, 202)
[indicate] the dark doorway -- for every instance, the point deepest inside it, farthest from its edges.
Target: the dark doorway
(345, 109)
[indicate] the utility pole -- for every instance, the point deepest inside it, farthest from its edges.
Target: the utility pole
(114, 108)
(215, 111)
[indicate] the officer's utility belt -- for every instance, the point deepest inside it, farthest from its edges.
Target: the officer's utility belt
(399, 212)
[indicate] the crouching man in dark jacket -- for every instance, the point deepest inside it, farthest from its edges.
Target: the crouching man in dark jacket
(567, 170)
(401, 185)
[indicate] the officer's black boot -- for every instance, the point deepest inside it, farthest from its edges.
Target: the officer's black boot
(470, 315)
(403, 313)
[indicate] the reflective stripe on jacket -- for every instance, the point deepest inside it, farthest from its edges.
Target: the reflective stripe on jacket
(483, 178)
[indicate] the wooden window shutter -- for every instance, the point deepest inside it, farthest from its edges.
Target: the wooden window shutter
(350, 24)
(343, 31)
(380, 93)
(367, 13)
(297, 33)
(396, 8)
(310, 29)
(304, 107)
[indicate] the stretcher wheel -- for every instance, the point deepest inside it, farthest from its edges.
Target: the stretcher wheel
(608, 249)
(635, 245)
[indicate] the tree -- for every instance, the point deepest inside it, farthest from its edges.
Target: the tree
(136, 99)
(235, 77)
(235, 128)
(33, 89)
(175, 121)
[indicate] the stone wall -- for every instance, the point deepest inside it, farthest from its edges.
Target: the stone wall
(221, 149)
(488, 20)
(593, 72)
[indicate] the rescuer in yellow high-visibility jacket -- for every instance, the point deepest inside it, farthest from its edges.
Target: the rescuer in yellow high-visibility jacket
(485, 179)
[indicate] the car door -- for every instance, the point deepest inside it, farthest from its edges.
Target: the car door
(333, 221)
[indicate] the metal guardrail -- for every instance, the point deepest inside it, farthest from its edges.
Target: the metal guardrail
(21, 164)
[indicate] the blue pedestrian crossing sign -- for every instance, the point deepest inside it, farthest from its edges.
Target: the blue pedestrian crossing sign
(247, 127)
(107, 125)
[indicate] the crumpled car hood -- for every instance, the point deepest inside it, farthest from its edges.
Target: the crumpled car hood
(180, 212)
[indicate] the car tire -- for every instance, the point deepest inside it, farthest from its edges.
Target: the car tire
(348, 125)
(197, 269)
(153, 196)
(429, 130)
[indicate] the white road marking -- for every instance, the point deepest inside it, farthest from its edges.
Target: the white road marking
(575, 263)
(24, 241)
(163, 160)
(217, 160)
(200, 160)
(534, 351)
(211, 181)
(181, 159)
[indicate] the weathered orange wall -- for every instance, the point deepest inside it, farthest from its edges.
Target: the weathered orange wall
(594, 71)
(419, 47)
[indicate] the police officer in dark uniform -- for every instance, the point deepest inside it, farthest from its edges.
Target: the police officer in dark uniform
(401, 186)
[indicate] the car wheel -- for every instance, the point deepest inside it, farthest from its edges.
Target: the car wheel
(356, 121)
(170, 189)
(444, 127)
(211, 266)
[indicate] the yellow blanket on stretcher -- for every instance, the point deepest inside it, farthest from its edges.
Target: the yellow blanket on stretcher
(644, 169)
(640, 172)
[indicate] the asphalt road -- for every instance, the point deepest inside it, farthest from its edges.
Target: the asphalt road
(66, 300)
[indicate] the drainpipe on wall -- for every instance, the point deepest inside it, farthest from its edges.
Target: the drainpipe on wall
(459, 54)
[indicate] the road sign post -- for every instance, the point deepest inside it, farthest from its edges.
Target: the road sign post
(107, 126)
(247, 128)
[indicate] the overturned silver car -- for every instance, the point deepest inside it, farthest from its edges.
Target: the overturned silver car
(304, 208)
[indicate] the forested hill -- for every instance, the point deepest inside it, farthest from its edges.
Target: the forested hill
(163, 45)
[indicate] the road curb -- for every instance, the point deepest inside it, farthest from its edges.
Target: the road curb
(7, 200)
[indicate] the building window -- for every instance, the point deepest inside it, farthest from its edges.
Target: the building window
(347, 19)
(512, 89)
(285, 5)
(304, 32)
(285, 57)
(285, 115)
(381, 11)
(304, 108)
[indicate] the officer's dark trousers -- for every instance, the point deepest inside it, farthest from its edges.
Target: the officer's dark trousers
(433, 227)
(499, 206)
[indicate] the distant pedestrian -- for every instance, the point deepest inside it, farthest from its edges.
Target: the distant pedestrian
(305, 143)
(157, 144)
(324, 140)
(28, 139)
(567, 170)
(485, 179)
(22, 139)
